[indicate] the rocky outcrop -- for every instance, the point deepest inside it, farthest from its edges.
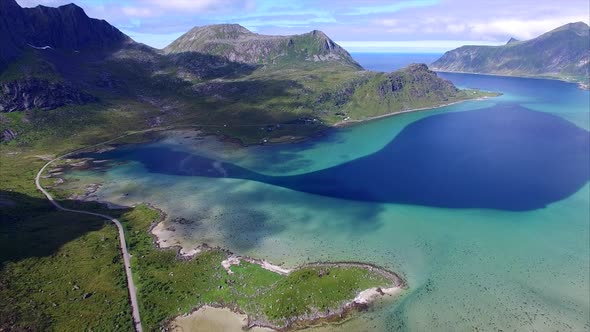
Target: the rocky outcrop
(416, 82)
(561, 53)
(237, 44)
(34, 93)
(8, 135)
(512, 40)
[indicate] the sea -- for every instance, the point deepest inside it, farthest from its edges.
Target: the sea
(482, 206)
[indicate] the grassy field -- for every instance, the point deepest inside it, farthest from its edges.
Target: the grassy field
(168, 287)
(59, 271)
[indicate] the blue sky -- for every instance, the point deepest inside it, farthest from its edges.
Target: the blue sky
(367, 26)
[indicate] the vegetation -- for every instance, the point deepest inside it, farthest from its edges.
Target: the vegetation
(63, 271)
(562, 53)
(168, 287)
(59, 271)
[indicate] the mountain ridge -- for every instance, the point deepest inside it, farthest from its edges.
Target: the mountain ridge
(562, 53)
(236, 43)
(65, 27)
(83, 70)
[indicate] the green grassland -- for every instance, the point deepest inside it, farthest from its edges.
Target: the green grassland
(60, 272)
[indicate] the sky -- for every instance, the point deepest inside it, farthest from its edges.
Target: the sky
(425, 26)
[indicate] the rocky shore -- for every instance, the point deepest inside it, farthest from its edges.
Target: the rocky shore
(361, 301)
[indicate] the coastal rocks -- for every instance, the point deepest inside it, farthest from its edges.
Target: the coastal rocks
(33, 93)
(89, 193)
(182, 221)
(235, 260)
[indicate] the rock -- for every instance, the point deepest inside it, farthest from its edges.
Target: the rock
(34, 93)
(8, 135)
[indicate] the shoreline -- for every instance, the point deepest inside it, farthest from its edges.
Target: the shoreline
(581, 85)
(362, 301)
(343, 123)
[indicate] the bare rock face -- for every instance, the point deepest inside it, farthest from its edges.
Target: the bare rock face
(66, 27)
(35, 93)
(417, 82)
(8, 135)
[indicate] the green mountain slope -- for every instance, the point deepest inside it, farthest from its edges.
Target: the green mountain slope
(561, 53)
(238, 44)
(94, 79)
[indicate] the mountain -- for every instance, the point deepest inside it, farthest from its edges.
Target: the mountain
(238, 44)
(512, 40)
(62, 71)
(561, 53)
(37, 68)
(65, 28)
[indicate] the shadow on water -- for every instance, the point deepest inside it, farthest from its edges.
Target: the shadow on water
(505, 157)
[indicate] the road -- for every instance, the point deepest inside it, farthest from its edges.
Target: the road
(124, 252)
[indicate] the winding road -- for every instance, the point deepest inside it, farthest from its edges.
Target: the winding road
(126, 257)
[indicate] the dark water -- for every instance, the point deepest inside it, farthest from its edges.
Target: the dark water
(504, 157)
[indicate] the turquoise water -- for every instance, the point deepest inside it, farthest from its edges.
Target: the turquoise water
(468, 269)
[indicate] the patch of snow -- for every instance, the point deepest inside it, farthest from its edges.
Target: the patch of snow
(41, 47)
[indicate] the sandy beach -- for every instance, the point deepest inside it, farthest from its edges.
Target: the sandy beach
(207, 319)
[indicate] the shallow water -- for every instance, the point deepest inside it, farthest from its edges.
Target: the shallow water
(484, 269)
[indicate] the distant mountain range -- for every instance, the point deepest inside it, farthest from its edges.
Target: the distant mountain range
(59, 58)
(562, 53)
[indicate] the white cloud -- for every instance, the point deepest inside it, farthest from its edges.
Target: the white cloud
(201, 6)
(424, 46)
(388, 22)
(138, 12)
(523, 29)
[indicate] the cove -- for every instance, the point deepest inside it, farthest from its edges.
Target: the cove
(504, 157)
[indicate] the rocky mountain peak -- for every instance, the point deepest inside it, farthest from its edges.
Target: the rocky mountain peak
(512, 41)
(237, 44)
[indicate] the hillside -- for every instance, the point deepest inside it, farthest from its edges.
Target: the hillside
(65, 72)
(64, 28)
(561, 53)
(238, 44)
